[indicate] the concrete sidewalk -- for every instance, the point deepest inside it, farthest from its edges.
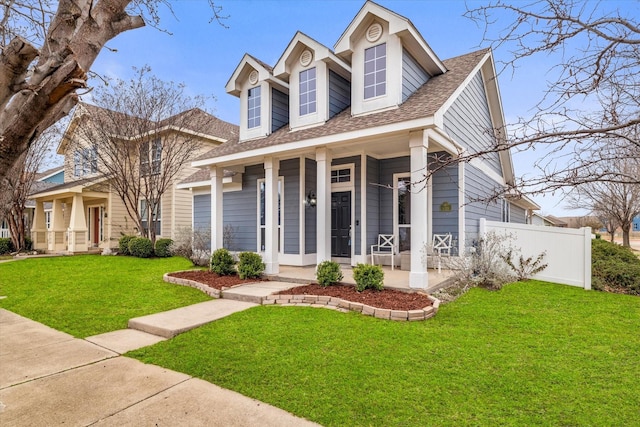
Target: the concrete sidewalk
(48, 377)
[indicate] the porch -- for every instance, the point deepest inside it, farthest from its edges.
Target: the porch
(393, 279)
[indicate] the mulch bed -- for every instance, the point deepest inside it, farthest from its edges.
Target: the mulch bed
(213, 280)
(386, 299)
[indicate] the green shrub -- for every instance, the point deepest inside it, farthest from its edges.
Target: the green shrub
(28, 243)
(328, 273)
(222, 262)
(163, 248)
(368, 276)
(6, 246)
(250, 265)
(123, 244)
(614, 266)
(141, 247)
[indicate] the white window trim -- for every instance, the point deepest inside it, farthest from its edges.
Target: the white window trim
(351, 187)
(386, 69)
(396, 214)
(281, 210)
(259, 107)
(158, 216)
(300, 93)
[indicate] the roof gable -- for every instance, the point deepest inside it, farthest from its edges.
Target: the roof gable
(398, 25)
(248, 64)
(298, 44)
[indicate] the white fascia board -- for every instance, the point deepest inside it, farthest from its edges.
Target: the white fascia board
(203, 184)
(486, 169)
(523, 201)
(232, 86)
(421, 123)
(442, 139)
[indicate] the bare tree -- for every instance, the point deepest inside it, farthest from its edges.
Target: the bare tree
(142, 135)
(590, 112)
(46, 54)
(616, 202)
(20, 182)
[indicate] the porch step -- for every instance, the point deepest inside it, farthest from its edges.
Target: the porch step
(256, 292)
(297, 280)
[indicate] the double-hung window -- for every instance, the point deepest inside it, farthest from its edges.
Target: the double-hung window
(375, 71)
(308, 91)
(156, 216)
(150, 157)
(253, 108)
(85, 161)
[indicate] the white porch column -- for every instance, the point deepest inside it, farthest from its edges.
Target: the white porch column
(271, 169)
(77, 226)
(56, 234)
(418, 144)
(323, 206)
(39, 228)
(216, 173)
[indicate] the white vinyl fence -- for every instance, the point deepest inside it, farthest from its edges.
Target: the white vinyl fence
(568, 251)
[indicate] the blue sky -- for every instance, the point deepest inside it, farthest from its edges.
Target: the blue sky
(203, 55)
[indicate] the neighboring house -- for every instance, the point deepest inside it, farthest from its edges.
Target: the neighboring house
(333, 145)
(43, 180)
(538, 219)
(556, 222)
(86, 214)
(636, 224)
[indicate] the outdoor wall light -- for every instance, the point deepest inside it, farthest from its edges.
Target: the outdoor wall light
(311, 199)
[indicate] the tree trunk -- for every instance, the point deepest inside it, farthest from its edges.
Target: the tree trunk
(626, 230)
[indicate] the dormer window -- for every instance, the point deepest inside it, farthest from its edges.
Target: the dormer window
(253, 108)
(375, 71)
(308, 91)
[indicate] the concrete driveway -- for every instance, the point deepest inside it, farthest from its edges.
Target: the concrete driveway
(50, 378)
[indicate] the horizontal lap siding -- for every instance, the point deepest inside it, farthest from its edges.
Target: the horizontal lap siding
(202, 215)
(373, 202)
(444, 189)
(477, 186)
(413, 76)
(339, 93)
(309, 212)
(241, 210)
(182, 215)
(357, 202)
(517, 214)
(290, 170)
(468, 121)
(279, 109)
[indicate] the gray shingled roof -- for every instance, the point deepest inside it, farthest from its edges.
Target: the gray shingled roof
(203, 175)
(425, 102)
(194, 119)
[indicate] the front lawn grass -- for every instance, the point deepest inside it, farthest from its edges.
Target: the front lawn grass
(86, 295)
(533, 353)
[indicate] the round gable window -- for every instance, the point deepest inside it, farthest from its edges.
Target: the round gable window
(306, 58)
(374, 32)
(253, 77)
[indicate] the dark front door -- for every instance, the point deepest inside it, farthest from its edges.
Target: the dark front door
(341, 224)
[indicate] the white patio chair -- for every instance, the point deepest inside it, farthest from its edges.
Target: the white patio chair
(440, 246)
(386, 247)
